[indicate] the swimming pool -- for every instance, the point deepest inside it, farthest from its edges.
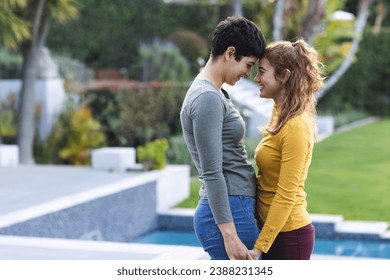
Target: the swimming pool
(367, 249)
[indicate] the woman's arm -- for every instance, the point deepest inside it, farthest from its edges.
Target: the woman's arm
(207, 112)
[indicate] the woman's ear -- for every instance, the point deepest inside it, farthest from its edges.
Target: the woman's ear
(230, 52)
(285, 76)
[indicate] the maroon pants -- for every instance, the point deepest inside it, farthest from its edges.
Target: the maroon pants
(292, 245)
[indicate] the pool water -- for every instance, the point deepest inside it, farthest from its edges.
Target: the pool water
(367, 249)
(170, 238)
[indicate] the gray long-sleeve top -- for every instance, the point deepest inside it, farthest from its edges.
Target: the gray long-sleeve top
(213, 130)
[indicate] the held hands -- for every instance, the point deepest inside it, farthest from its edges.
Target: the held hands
(255, 253)
(235, 249)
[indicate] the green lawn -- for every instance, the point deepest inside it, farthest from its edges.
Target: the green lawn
(349, 175)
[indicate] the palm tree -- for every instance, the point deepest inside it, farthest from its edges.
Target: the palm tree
(35, 17)
(13, 29)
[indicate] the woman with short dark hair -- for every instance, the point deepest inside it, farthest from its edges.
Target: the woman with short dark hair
(213, 130)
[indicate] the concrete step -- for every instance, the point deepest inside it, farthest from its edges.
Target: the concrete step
(360, 227)
(334, 226)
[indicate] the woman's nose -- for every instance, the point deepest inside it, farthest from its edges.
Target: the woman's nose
(257, 78)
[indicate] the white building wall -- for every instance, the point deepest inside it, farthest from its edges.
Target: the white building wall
(49, 94)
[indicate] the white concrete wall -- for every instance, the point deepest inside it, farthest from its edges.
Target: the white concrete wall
(173, 186)
(9, 155)
(49, 94)
(114, 158)
(324, 126)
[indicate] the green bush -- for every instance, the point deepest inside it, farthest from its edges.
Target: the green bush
(72, 138)
(151, 112)
(8, 121)
(8, 126)
(48, 152)
(107, 110)
(137, 113)
(161, 61)
(152, 155)
(178, 153)
(84, 134)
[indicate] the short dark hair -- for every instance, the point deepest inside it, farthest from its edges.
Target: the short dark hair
(240, 33)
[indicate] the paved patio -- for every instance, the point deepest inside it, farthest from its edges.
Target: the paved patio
(30, 192)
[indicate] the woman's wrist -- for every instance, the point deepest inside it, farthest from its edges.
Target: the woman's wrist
(228, 230)
(257, 251)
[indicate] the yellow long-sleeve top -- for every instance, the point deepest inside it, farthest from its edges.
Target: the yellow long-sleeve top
(283, 161)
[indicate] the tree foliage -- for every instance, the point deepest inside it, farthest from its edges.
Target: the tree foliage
(13, 28)
(108, 33)
(192, 46)
(334, 42)
(365, 86)
(162, 61)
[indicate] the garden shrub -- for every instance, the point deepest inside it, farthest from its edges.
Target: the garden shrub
(84, 135)
(72, 138)
(107, 110)
(152, 154)
(133, 114)
(8, 122)
(178, 153)
(161, 61)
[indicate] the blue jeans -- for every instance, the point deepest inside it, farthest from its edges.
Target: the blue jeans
(208, 233)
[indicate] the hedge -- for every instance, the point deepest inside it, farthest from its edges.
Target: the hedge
(134, 113)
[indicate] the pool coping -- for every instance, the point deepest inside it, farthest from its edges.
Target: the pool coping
(328, 226)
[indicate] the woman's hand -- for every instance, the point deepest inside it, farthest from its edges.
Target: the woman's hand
(234, 247)
(236, 250)
(255, 253)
